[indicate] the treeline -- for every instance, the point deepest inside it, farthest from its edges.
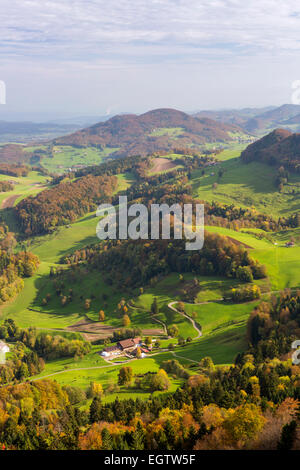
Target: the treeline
(14, 267)
(13, 169)
(113, 167)
(249, 405)
(64, 203)
(134, 263)
(30, 349)
(23, 361)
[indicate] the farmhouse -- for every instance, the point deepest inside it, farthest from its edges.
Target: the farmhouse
(128, 345)
(124, 346)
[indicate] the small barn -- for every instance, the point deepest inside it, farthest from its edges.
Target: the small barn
(111, 351)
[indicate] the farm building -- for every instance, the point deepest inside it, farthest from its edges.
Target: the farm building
(4, 348)
(128, 345)
(111, 351)
(124, 346)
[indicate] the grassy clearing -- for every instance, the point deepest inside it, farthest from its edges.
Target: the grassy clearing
(283, 264)
(167, 131)
(106, 375)
(233, 151)
(24, 186)
(217, 316)
(222, 347)
(65, 157)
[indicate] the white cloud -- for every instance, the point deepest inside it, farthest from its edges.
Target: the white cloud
(137, 54)
(70, 29)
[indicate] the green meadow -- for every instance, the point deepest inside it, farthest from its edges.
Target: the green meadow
(247, 185)
(24, 186)
(64, 157)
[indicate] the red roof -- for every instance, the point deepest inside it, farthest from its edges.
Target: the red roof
(129, 343)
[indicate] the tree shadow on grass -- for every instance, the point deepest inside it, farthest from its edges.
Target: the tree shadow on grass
(83, 243)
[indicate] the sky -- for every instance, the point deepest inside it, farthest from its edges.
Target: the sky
(103, 57)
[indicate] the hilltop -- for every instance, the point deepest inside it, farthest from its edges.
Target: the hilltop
(280, 147)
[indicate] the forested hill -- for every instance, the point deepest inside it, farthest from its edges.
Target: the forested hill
(280, 147)
(157, 130)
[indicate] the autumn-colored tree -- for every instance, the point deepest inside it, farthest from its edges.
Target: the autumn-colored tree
(101, 315)
(138, 353)
(160, 381)
(126, 320)
(244, 422)
(173, 331)
(125, 375)
(95, 389)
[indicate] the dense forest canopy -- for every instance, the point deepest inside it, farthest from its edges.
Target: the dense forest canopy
(281, 147)
(64, 203)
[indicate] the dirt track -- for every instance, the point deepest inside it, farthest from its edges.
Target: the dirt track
(9, 201)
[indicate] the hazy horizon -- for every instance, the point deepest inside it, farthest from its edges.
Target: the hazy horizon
(90, 58)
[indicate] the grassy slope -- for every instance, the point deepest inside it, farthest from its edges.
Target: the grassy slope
(283, 264)
(105, 374)
(251, 185)
(65, 157)
(50, 248)
(29, 185)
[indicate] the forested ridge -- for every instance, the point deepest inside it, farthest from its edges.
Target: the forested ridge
(135, 262)
(64, 203)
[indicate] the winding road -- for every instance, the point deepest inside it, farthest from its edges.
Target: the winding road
(193, 322)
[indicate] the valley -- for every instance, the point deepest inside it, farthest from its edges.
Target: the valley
(86, 294)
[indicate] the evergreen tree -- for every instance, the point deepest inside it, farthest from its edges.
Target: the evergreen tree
(95, 409)
(107, 441)
(288, 436)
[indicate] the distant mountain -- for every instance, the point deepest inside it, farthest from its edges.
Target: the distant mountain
(158, 130)
(280, 147)
(28, 131)
(272, 119)
(258, 120)
(293, 120)
(233, 116)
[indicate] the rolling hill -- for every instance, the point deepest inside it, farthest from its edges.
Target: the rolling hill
(280, 147)
(258, 120)
(237, 117)
(158, 130)
(278, 117)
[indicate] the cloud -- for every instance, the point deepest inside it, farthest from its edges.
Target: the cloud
(142, 31)
(139, 54)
